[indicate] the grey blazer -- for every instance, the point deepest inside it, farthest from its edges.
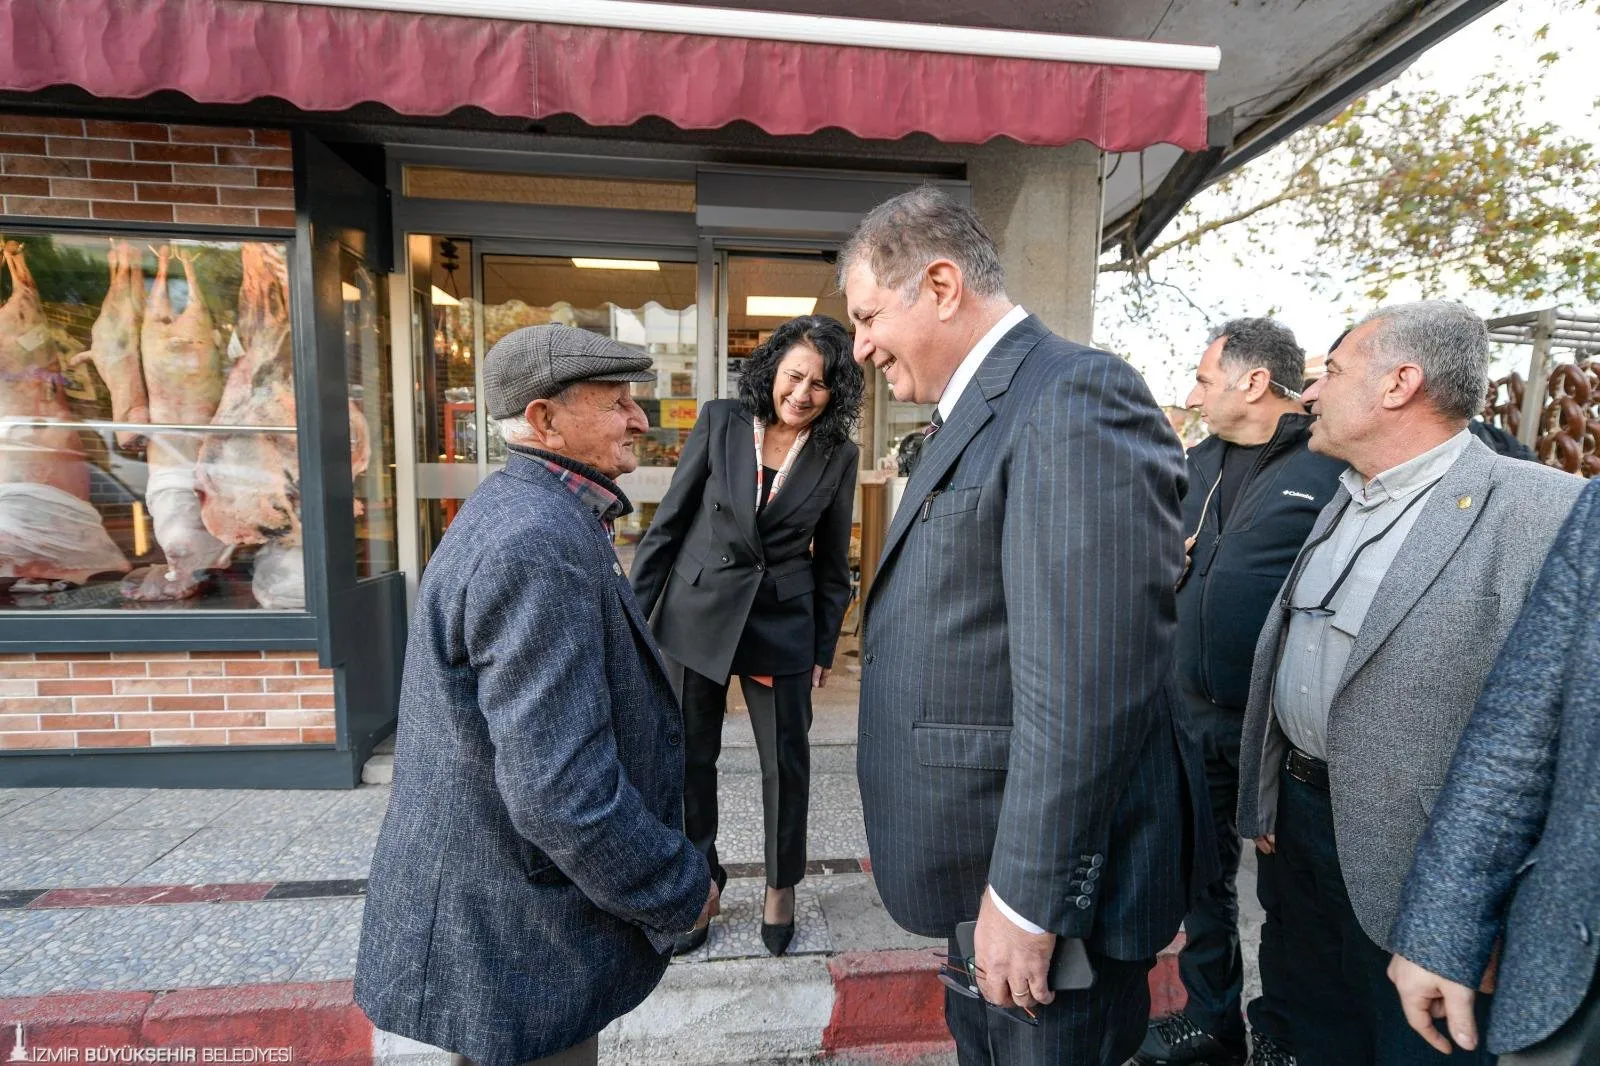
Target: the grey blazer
(531, 872)
(1017, 706)
(1436, 623)
(1516, 819)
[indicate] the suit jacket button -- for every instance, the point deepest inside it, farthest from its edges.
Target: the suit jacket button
(724, 558)
(716, 507)
(758, 566)
(674, 739)
(1083, 903)
(1096, 861)
(1583, 932)
(870, 659)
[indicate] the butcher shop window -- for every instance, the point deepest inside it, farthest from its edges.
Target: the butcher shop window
(148, 444)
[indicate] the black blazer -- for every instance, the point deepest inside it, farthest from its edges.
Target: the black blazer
(727, 592)
(1017, 711)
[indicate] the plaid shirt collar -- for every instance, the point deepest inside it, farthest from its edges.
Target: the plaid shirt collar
(598, 494)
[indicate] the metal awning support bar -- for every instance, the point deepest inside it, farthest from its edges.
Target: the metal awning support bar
(1533, 394)
(811, 29)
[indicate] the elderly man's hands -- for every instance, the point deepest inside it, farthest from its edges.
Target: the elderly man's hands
(1425, 996)
(1013, 965)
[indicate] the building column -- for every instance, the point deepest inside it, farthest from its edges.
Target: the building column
(1042, 206)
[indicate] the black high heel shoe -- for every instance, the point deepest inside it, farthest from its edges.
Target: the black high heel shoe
(691, 941)
(777, 937)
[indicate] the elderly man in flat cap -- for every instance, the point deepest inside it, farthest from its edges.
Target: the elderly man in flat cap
(531, 874)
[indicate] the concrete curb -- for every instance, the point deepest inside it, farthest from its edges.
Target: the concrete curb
(861, 1007)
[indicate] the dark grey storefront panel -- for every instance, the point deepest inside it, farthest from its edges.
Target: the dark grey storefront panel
(301, 766)
(820, 205)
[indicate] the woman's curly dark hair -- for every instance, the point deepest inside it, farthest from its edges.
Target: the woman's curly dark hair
(828, 338)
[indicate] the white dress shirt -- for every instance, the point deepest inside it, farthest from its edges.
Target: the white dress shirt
(969, 366)
(1318, 645)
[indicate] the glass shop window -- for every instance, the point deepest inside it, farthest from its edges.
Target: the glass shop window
(148, 444)
(366, 343)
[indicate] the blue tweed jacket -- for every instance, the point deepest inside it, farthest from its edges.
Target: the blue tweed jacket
(1512, 850)
(531, 871)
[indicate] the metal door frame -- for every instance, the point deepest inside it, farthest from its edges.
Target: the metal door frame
(403, 332)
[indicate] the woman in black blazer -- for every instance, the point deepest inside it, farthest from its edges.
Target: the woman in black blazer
(745, 570)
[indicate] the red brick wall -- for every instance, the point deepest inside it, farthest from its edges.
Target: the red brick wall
(159, 699)
(145, 172)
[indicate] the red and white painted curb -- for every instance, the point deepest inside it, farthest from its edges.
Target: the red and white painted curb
(868, 1006)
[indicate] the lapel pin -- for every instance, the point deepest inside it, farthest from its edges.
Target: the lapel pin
(1464, 502)
(616, 568)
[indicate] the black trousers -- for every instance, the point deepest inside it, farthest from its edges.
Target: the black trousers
(1098, 1026)
(780, 716)
(1211, 964)
(1343, 1008)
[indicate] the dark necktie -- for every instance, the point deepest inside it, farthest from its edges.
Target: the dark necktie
(927, 435)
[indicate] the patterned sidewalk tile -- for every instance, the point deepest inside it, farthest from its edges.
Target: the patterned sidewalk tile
(324, 854)
(245, 943)
(736, 932)
(13, 798)
(109, 948)
(73, 808)
(281, 808)
(178, 808)
(20, 850)
(365, 805)
(334, 958)
(24, 932)
(99, 857)
(218, 856)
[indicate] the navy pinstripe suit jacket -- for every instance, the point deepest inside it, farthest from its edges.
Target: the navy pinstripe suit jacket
(1016, 695)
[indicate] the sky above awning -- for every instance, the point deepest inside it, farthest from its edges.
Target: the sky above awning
(324, 58)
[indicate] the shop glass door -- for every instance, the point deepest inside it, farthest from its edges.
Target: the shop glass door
(470, 294)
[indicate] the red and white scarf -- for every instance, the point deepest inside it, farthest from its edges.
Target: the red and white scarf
(788, 461)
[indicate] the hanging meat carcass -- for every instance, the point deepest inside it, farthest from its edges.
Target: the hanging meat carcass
(115, 342)
(48, 530)
(250, 482)
(182, 360)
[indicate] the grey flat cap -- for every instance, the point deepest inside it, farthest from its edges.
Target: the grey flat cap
(536, 362)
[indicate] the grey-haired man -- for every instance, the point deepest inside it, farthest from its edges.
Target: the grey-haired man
(1370, 663)
(531, 875)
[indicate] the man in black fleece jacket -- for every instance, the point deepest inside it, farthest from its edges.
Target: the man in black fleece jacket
(1254, 492)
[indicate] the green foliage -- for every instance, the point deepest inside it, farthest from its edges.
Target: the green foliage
(1445, 191)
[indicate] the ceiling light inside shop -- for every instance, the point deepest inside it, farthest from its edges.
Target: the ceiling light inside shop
(616, 264)
(352, 295)
(444, 299)
(779, 306)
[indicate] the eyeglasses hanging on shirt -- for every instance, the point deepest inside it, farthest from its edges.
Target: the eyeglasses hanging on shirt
(1295, 572)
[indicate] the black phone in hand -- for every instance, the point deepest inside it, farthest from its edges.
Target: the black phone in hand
(1070, 968)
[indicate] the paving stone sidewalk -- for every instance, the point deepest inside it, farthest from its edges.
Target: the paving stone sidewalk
(285, 870)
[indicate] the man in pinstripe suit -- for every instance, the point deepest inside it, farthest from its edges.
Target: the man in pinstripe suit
(1019, 761)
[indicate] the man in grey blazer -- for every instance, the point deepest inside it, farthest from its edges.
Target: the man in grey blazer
(1368, 668)
(1019, 763)
(1509, 869)
(531, 874)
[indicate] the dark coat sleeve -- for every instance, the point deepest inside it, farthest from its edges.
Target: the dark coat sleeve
(1492, 808)
(535, 620)
(658, 551)
(830, 561)
(1090, 553)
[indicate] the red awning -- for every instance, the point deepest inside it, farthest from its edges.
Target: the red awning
(331, 58)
